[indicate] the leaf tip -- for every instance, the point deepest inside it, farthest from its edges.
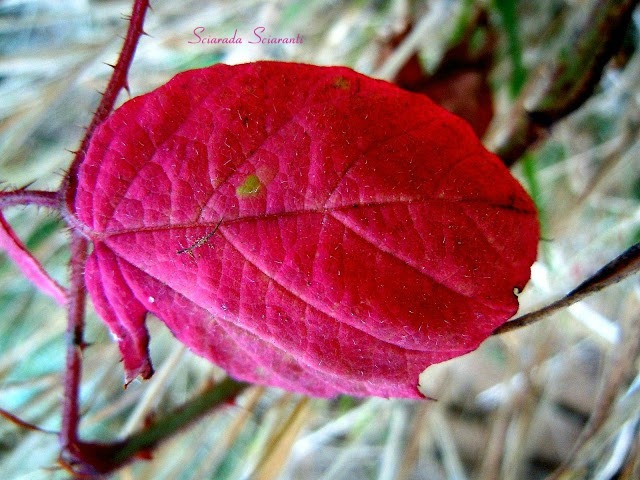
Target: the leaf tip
(144, 371)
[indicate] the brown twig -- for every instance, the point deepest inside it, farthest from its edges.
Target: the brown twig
(21, 423)
(618, 269)
(557, 91)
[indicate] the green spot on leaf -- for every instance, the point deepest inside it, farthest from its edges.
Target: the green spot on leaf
(251, 186)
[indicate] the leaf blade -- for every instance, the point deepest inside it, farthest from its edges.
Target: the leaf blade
(334, 247)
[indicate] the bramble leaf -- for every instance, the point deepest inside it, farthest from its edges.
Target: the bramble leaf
(302, 227)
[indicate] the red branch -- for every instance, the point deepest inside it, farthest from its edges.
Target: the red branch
(30, 197)
(75, 343)
(21, 423)
(117, 82)
(69, 439)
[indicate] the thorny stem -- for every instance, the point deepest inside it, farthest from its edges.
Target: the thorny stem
(77, 291)
(17, 251)
(30, 197)
(93, 459)
(11, 244)
(75, 344)
(117, 82)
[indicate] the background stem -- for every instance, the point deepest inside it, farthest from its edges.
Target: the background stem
(213, 396)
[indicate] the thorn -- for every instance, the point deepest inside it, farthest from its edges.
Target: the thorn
(125, 17)
(109, 65)
(145, 34)
(149, 420)
(61, 172)
(126, 87)
(144, 454)
(21, 189)
(21, 423)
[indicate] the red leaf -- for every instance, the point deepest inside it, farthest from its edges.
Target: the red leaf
(461, 82)
(303, 227)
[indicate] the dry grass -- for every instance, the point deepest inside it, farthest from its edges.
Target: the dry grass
(513, 409)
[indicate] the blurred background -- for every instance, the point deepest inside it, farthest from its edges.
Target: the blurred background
(514, 408)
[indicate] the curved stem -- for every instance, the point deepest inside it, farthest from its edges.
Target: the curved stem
(28, 264)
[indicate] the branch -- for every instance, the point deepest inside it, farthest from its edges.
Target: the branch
(21, 423)
(571, 80)
(213, 396)
(75, 345)
(69, 441)
(22, 196)
(28, 264)
(117, 82)
(618, 269)
(101, 458)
